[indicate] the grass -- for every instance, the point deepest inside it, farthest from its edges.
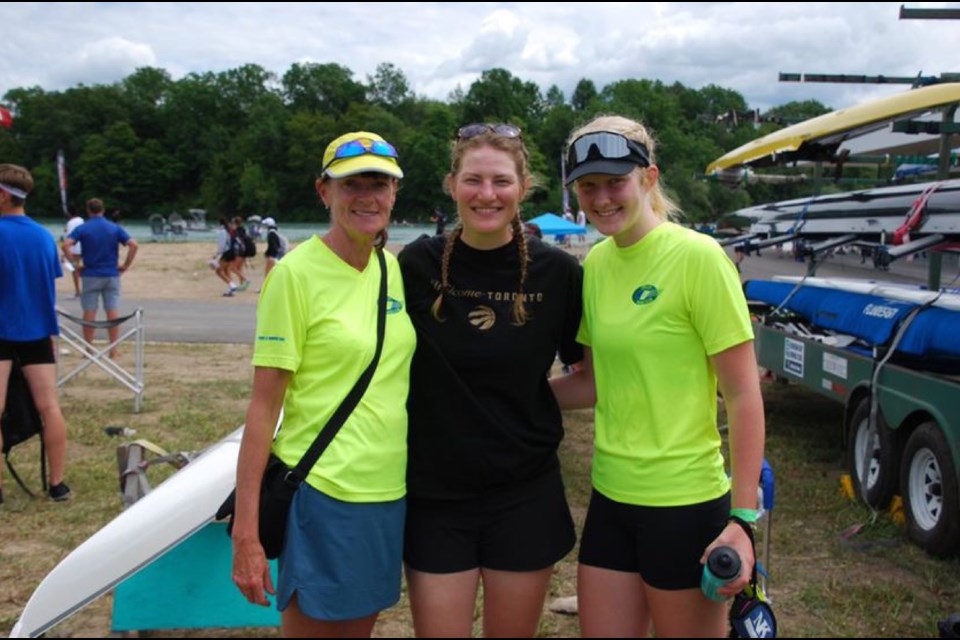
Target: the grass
(874, 584)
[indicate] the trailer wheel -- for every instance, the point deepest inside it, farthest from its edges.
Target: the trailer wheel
(881, 477)
(929, 484)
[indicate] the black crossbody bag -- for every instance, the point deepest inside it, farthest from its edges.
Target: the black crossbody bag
(280, 482)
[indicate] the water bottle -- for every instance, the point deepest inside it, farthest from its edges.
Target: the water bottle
(723, 565)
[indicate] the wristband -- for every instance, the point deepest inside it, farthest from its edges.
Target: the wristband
(747, 515)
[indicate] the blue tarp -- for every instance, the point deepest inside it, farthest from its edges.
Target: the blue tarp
(934, 333)
(552, 224)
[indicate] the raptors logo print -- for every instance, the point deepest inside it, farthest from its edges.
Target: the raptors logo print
(483, 317)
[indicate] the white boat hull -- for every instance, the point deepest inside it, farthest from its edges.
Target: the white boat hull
(152, 526)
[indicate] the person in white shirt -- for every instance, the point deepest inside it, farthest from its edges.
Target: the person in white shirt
(72, 256)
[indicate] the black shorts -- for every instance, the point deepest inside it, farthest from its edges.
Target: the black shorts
(662, 544)
(28, 353)
(228, 256)
(525, 528)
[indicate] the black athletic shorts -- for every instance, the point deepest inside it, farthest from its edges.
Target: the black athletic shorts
(28, 353)
(524, 528)
(662, 544)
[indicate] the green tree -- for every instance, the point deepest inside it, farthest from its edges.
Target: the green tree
(328, 88)
(107, 164)
(307, 134)
(554, 97)
(425, 158)
(498, 96)
(797, 111)
(583, 94)
(258, 192)
(145, 91)
(388, 87)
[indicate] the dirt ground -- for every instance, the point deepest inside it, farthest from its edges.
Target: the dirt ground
(174, 271)
(195, 394)
(180, 271)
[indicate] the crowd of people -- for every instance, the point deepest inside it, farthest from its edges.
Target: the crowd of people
(447, 467)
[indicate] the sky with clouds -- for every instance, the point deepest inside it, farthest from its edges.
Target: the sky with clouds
(439, 46)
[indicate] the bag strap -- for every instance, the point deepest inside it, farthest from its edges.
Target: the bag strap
(349, 403)
(748, 529)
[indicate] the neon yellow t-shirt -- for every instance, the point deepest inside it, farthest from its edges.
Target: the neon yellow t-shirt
(317, 317)
(653, 314)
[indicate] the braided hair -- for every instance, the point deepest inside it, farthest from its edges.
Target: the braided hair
(515, 148)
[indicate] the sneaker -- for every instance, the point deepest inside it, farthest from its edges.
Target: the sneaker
(60, 492)
(244, 286)
(227, 294)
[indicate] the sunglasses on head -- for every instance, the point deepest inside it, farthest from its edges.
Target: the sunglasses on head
(363, 146)
(468, 131)
(606, 145)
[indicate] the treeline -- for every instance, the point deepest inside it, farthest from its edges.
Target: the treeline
(244, 141)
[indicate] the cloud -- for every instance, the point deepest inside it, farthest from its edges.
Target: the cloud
(438, 46)
(104, 61)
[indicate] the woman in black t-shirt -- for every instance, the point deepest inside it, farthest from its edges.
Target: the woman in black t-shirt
(492, 307)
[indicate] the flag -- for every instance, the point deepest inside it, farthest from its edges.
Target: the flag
(6, 118)
(62, 173)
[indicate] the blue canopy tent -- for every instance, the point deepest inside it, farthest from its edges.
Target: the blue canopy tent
(552, 224)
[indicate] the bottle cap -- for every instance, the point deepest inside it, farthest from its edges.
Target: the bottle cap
(724, 563)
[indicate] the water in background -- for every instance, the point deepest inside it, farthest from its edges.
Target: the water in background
(295, 232)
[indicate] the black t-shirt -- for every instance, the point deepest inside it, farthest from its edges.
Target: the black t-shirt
(481, 411)
(273, 244)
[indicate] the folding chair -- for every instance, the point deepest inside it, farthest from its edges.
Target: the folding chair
(132, 381)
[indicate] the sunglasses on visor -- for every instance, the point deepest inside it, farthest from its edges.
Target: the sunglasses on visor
(363, 146)
(468, 131)
(605, 145)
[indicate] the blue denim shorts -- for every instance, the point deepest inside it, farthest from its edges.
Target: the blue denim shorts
(342, 560)
(94, 287)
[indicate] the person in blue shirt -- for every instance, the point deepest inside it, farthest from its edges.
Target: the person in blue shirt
(29, 267)
(101, 273)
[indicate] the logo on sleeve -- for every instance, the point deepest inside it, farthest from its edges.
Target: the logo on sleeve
(645, 294)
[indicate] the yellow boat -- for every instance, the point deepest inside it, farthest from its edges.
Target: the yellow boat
(819, 138)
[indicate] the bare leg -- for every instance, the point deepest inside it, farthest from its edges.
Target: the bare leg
(611, 604)
(296, 624)
(88, 332)
(237, 267)
(113, 333)
(42, 380)
(222, 272)
(513, 602)
(5, 367)
(686, 614)
(443, 603)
